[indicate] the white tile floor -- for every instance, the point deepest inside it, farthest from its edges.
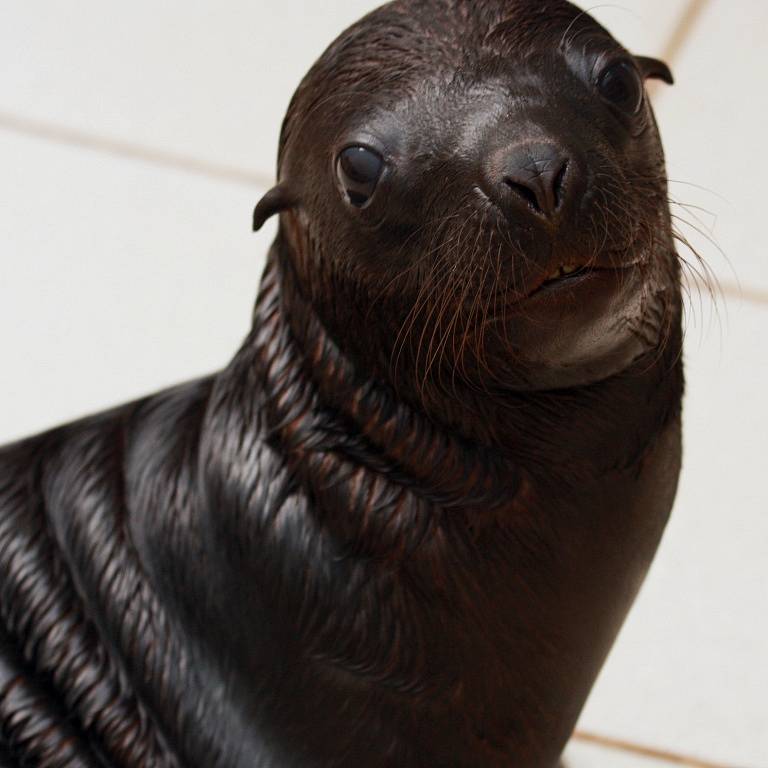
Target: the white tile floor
(119, 276)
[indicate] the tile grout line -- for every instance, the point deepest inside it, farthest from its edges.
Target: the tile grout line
(726, 289)
(620, 745)
(60, 134)
(679, 37)
(684, 28)
(681, 32)
(752, 295)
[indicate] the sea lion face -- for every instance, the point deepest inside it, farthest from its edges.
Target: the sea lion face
(477, 190)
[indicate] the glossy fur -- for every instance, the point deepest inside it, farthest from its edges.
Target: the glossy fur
(395, 530)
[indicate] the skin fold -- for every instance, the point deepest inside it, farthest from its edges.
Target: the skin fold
(405, 524)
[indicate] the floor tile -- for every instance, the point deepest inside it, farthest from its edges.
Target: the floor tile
(689, 671)
(714, 125)
(198, 78)
(115, 279)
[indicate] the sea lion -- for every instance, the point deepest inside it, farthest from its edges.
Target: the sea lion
(404, 525)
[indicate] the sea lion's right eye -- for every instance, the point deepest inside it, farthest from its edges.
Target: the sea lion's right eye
(359, 170)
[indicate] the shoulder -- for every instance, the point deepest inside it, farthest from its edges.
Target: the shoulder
(71, 451)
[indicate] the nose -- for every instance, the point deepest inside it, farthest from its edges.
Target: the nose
(535, 175)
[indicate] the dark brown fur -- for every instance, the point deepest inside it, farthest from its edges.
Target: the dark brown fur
(404, 525)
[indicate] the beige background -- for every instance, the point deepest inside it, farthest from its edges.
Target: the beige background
(135, 139)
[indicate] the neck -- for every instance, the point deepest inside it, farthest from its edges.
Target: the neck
(319, 402)
(459, 594)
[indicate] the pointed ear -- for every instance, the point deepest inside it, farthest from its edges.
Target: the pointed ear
(655, 69)
(278, 199)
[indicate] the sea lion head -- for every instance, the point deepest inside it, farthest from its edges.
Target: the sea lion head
(475, 192)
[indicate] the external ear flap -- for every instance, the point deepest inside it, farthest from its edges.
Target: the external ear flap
(655, 69)
(276, 200)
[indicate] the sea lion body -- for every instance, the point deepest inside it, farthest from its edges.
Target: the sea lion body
(355, 546)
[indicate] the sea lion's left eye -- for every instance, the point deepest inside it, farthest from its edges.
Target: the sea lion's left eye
(359, 170)
(620, 84)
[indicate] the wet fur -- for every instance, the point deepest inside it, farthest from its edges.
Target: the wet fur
(309, 559)
(301, 520)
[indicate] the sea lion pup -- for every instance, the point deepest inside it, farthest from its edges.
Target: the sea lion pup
(404, 525)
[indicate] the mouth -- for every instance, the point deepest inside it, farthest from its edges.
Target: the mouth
(564, 275)
(568, 276)
(566, 272)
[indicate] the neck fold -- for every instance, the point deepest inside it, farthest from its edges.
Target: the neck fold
(319, 404)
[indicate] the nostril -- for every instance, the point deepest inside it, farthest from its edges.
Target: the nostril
(535, 178)
(558, 184)
(528, 194)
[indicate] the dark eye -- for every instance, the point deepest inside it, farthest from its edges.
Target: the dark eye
(359, 170)
(621, 85)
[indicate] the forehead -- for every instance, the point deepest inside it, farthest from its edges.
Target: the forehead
(406, 47)
(450, 32)
(412, 41)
